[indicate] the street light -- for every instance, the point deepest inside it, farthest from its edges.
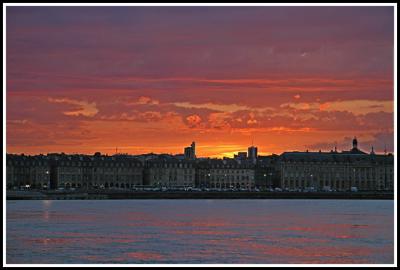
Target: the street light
(47, 177)
(265, 175)
(312, 181)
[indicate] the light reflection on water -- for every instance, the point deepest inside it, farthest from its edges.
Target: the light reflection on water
(200, 231)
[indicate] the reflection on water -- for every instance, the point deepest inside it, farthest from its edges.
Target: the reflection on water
(200, 231)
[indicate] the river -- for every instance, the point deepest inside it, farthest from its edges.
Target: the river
(200, 232)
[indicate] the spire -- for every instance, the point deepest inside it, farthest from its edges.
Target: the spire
(355, 143)
(372, 150)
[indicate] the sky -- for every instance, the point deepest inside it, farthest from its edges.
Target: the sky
(154, 79)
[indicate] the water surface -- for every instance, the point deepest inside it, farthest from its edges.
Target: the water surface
(200, 231)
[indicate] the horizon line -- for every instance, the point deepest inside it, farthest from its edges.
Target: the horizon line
(215, 156)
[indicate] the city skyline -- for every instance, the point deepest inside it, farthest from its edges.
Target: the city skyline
(235, 154)
(146, 79)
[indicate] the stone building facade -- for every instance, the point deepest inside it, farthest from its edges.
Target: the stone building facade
(32, 172)
(117, 172)
(291, 170)
(267, 172)
(336, 171)
(225, 174)
(169, 172)
(73, 171)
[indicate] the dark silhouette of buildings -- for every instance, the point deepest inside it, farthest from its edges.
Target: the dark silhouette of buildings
(190, 152)
(252, 153)
(291, 170)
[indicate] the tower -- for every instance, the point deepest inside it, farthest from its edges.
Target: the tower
(193, 145)
(355, 143)
(372, 150)
(190, 151)
(252, 153)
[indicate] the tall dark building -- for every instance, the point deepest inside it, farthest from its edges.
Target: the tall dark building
(252, 153)
(190, 152)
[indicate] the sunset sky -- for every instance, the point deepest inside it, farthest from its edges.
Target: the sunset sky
(154, 79)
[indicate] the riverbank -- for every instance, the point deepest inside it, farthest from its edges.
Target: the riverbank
(120, 194)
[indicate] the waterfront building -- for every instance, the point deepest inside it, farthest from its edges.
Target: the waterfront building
(27, 171)
(98, 171)
(118, 171)
(337, 171)
(291, 170)
(167, 171)
(73, 171)
(267, 172)
(225, 174)
(67, 171)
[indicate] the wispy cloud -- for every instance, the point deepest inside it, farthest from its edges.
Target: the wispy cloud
(230, 108)
(357, 107)
(79, 107)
